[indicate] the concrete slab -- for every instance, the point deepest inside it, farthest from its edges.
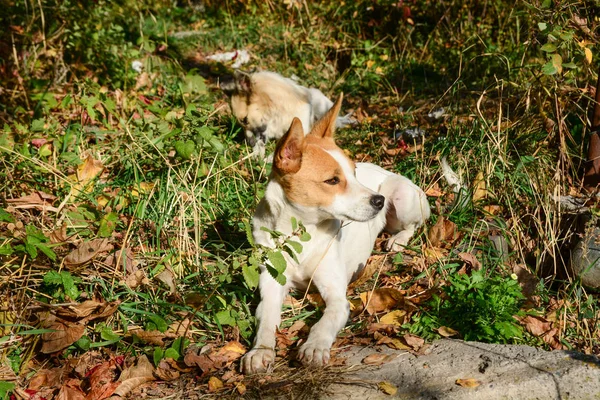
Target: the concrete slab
(503, 372)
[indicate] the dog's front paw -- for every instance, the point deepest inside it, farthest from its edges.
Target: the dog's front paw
(314, 353)
(258, 360)
(394, 245)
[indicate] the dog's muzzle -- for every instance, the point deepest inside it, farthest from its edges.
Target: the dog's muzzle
(256, 134)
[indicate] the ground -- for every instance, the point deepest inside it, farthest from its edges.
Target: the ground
(126, 190)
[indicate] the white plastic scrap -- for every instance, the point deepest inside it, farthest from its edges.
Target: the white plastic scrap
(240, 57)
(137, 66)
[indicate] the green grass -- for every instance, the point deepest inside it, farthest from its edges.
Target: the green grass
(177, 187)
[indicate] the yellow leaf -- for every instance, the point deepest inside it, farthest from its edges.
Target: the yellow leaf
(86, 172)
(395, 317)
(235, 347)
(479, 188)
(214, 384)
(446, 331)
(387, 388)
(588, 55)
(468, 383)
(370, 63)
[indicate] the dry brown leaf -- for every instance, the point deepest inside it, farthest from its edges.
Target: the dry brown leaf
(70, 390)
(468, 383)
(442, 233)
(66, 333)
(540, 327)
(374, 263)
(179, 329)
(166, 372)
(59, 235)
(479, 188)
(395, 318)
(102, 381)
(210, 359)
(392, 343)
(87, 251)
(446, 331)
(136, 279)
(527, 281)
(135, 376)
(89, 310)
(150, 337)
(381, 299)
(378, 358)
(434, 191)
(471, 260)
(414, 341)
(45, 377)
(387, 388)
(167, 277)
(37, 200)
(123, 260)
(241, 388)
(214, 384)
(86, 172)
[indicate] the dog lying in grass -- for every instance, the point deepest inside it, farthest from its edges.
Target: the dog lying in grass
(265, 103)
(343, 206)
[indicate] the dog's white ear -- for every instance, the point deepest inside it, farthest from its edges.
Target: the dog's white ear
(325, 127)
(288, 153)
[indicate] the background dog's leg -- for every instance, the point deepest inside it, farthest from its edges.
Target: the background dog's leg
(400, 239)
(332, 287)
(268, 314)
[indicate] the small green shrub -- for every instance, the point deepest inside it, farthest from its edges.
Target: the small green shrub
(479, 307)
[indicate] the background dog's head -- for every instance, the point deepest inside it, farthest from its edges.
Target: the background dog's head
(318, 177)
(248, 106)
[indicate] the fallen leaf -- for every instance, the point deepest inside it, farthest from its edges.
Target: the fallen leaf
(471, 260)
(45, 377)
(588, 55)
(527, 281)
(87, 251)
(442, 233)
(102, 381)
(88, 310)
(434, 191)
(87, 171)
(123, 260)
(468, 383)
(387, 388)
(378, 358)
(135, 376)
(214, 384)
(479, 188)
(150, 337)
(66, 333)
(395, 318)
(446, 331)
(374, 263)
(241, 388)
(540, 327)
(208, 359)
(167, 277)
(414, 341)
(381, 299)
(166, 372)
(59, 235)
(37, 200)
(70, 390)
(136, 279)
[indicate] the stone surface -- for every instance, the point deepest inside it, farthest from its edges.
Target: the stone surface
(502, 372)
(585, 259)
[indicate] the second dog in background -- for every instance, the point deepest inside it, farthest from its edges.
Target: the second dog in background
(265, 103)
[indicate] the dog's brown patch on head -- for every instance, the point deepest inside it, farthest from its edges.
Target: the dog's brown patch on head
(308, 173)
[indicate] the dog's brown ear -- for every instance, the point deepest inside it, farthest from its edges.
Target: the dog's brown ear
(288, 153)
(325, 127)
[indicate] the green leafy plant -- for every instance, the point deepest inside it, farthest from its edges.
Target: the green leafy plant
(33, 241)
(479, 307)
(61, 285)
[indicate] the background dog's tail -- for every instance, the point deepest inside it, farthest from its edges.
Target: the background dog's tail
(456, 183)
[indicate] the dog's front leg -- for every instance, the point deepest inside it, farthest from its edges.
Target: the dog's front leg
(268, 314)
(330, 280)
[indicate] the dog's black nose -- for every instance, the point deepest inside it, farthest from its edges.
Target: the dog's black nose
(377, 201)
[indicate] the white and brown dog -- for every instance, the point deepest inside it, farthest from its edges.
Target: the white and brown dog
(344, 206)
(265, 103)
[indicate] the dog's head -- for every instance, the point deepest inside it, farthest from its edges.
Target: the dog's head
(318, 177)
(264, 104)
(248, 105)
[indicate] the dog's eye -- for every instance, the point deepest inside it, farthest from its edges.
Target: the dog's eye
(333, 181)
